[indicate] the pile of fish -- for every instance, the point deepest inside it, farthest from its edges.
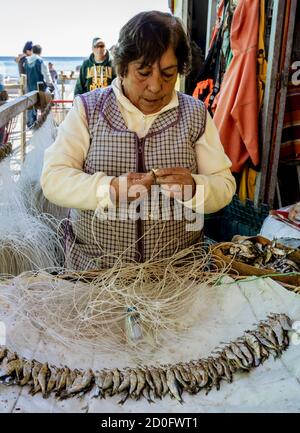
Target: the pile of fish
(150, 382)
(268, 256)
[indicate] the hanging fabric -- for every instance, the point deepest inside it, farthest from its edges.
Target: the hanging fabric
(220, 14)
(204, 90)
(210, 75)
(247, 183)
(249, 174)
(236, 115)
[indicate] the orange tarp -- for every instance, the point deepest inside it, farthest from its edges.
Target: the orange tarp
(236, 114)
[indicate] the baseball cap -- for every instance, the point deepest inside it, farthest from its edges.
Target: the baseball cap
(97, 41)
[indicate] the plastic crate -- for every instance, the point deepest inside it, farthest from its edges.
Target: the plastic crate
(237, 218)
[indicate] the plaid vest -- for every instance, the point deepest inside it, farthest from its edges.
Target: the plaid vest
(93, 242)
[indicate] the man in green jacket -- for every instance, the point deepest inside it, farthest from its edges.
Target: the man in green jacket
(97, 70)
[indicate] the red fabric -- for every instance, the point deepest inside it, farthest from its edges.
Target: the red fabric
(236, 114)
(204, 87)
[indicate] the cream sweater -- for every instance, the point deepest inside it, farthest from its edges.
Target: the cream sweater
(65, 184)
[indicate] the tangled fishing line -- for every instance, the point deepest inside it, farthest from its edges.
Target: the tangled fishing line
(89, 310)
(30, 226)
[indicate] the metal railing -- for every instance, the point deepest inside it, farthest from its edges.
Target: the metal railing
(11, 109)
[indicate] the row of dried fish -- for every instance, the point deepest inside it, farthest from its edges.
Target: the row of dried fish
(269, 256)
(150, 382)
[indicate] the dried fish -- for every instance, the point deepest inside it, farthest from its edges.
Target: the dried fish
(124, 398)
(108, 383)
(283, 319)
(99, 379)
(238, 352)
(10, 369)
(227, 373)
(233, 358)
(125, 381)
(179, 378)
(27, 367)
(254, 346)
(173, 385)
(133, 381)
(165, 388)
(213, 374)
(141, 382)
(62, 382)
(52, 379)
(269, 256)
(116, 381)
(146, 394)
(246, 352)
(82, 383)
(71, 377)
(36, 387)
(157, 381)
(42, 378)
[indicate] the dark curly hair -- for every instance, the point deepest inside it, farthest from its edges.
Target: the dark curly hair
(148, 35)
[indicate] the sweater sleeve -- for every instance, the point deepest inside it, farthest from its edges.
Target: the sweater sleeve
(46, 73)
(80, 83)
(215, 185)
(63, 180)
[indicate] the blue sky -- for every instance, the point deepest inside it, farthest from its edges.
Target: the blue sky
(66, 27)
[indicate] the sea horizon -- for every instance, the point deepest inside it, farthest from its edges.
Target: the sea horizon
(9, 68)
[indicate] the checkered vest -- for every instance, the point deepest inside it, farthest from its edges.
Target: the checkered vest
(93, 242)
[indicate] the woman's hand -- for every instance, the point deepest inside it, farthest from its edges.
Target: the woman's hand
(176, 182)
(131, 186)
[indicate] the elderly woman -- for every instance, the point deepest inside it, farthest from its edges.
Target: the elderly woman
(118, 145)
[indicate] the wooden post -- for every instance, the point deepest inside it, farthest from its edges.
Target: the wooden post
(286, 50)
(62, 85)
(23, 88)
(269, 96)
(211, 20)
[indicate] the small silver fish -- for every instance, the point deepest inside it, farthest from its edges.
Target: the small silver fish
(83, 382)
(125, 383)
(173, 385)
(141, 382)
(133, 382)
(27, 367)
(157, 381)
(42, 378)
(116, 381)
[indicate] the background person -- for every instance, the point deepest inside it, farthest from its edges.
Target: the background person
(97, 71)
(3, 99)
(54, 76)
(21, 58)
(36, 71)
(53, 72)
(113, 138)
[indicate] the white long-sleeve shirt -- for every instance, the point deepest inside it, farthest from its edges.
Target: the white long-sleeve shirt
(64, 182)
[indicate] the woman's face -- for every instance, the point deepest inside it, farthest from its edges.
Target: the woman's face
(150, 87)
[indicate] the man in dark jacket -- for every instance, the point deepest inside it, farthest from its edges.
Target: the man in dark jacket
(36, 71)
(97, 70)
